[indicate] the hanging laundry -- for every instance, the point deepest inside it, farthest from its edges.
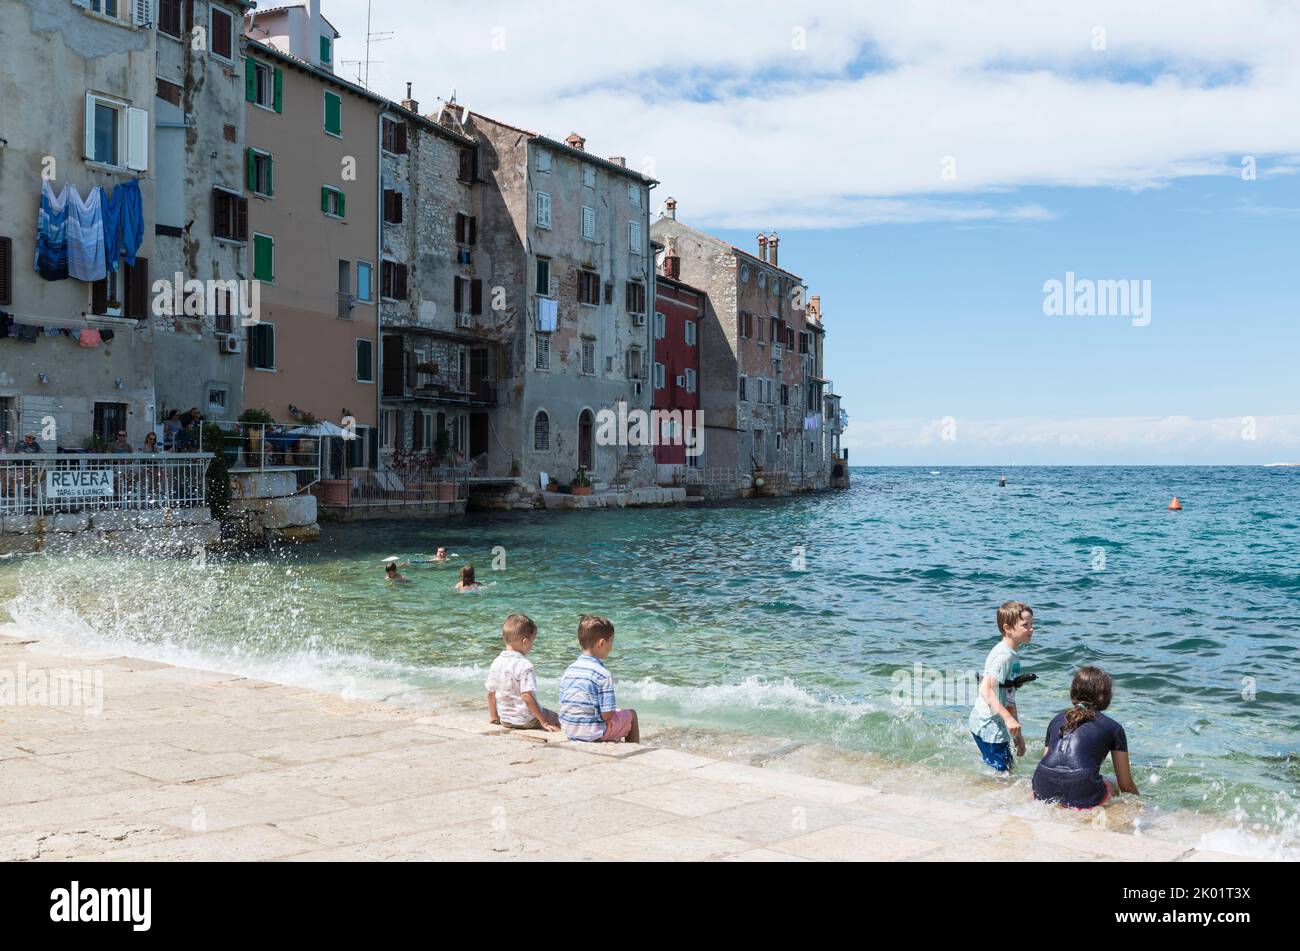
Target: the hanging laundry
(547, 314)
(112, 207)
(85, 235)
(106, 335)
(28, 333)
(89, 338)
(52, 234)
(53, 331)
(131, 213)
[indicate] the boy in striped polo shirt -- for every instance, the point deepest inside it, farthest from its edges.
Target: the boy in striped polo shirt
(587, 709)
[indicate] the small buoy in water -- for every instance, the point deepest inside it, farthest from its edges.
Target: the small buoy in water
(1175, 505)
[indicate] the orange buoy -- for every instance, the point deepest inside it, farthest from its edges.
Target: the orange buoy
(1175, 505)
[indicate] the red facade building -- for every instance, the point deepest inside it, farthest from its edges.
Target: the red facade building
(679, 308)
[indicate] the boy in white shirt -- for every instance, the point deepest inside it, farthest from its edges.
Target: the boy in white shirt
(511, 683)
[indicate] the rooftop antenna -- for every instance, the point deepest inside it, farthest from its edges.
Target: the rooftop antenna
(371, 37)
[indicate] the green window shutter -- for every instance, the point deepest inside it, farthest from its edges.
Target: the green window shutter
(270, 174)
(325, 49)
(279, 91)
(250, 79)
(343, 200)
(251, 164)
(333, 113)
(325, 199)
(263, 258)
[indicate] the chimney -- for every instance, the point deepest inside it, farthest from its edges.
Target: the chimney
(762, 247)
(670, 209)
(815, 307)
(576, 141)
(409, 103)
(772, 242)
(619, 160)
(672, 263)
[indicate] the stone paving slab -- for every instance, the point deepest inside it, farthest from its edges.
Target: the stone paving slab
(197, 765)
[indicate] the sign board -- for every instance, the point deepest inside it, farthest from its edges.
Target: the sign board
(78, 483)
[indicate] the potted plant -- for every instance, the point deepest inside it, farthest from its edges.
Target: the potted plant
(581, 485)
(515, 469)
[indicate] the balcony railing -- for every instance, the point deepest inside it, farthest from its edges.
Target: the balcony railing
(278, 446)
(44, 484)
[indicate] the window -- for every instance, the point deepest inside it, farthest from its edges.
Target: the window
(634, 237)
(588, 288)
(392, 280)
(635, 297)
(543, 351)
(333, 113)
(394, 136)
(589, 222)
(803, 341)
(468, 170)
(263, 85)
(635, 363)
(222, 34)
(261, 346)
(588, 176)
(217, 400)
(392, 206)
(110, 419)
(541, 431)
(746, 324)
(116, 134)
(170, 20)
(6, 274)
(690, 333)
(543, 210)
(659, 376)
(762, 278)
(589, 356)
(634, 195)
(365, 282)
(543, 285)
(743, 397)
(365, 361)
(326, 50)
(543, 160)
(388, 429)
(333, 202)
(744, 274)
(467, 292)
(466, 229)
(690, 380)
(229, 215)
(263, 257)
(661, 330)
(785, 394)
(261, 172)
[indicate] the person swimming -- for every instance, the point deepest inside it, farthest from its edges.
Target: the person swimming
(1078, 741)
(467, 581)
(392, 574)
(439, 555)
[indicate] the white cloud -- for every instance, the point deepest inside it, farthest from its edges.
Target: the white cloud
(1029, 440)
(747, 130)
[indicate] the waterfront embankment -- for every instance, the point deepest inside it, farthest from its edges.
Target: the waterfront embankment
(109, 758)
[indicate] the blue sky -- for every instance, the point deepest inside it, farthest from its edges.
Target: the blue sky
(929, 166)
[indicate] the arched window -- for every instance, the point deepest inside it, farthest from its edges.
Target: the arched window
(541, 431)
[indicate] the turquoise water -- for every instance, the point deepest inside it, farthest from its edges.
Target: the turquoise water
(728, 644)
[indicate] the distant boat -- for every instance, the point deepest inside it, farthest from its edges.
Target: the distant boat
(1282, 465)
(935, 472)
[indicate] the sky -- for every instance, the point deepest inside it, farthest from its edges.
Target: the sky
(932, 168)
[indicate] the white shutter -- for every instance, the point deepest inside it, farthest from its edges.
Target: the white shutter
(137, 137)
(142, 12)
(634, 235)
(543, 210)
(90, 127)
(588, 222)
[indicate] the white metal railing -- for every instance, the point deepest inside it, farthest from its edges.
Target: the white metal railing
(275, 446)
(410, 487)
(48, 484)
(709, 475)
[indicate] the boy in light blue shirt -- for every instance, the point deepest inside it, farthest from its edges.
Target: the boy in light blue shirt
(993, 720)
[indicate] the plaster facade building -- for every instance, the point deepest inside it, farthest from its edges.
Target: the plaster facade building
(564, 244)
(76, 111)
(761, 360)
(202, 177)
(680, 311)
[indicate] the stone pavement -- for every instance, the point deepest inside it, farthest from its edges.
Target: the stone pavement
(189, 764)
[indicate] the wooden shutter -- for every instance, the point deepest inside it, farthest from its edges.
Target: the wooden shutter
(250, 79)
(241, 219)
(458, 295)
(401, 138)
(399, 274)
(476, 296)
(250, 164)
(279, 91)
(473, 231)
(90, 127)
(460, 228)
(137, 124)
(6, 270)
(137, 289)
(325, 198)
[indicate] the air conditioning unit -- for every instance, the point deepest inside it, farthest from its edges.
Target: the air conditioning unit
(464, 320)
(638, 320)
(230, 343)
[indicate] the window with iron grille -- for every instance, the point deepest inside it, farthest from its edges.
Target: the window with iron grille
(541, 431)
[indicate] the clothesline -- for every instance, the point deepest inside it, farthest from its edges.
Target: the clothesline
(83, 238)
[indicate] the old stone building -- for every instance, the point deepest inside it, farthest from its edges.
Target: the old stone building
(761, 371)
(76, 112)
(564, 247)
(203, 83)
(442, 342)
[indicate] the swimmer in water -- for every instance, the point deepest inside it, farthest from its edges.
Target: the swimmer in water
(1002, 481)
(439, 555)
(1078, 742)
(392, 574)
(467, 582)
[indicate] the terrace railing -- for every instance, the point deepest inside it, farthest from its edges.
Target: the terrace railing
(43, 484)
(275, 446)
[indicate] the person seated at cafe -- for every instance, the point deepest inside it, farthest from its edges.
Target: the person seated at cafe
(120, 444)
(172, 428)
(151, 443)
(29, 444)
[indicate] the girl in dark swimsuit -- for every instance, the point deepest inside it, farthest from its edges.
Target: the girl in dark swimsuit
(1077, 743)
